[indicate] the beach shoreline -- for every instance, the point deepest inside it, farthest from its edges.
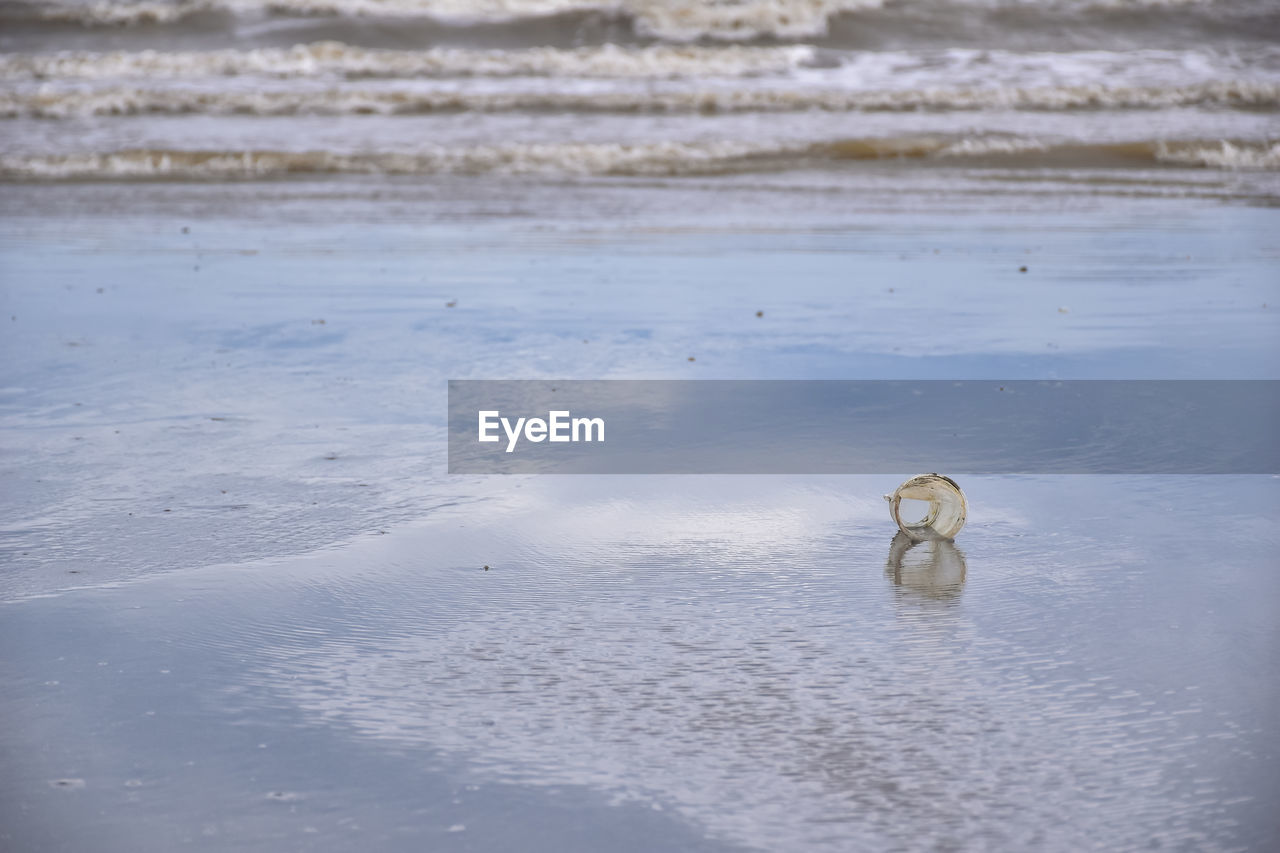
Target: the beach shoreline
(245, 247)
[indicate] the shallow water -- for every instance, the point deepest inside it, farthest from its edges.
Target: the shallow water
(245, 607)
(222, 368)
(682, 663)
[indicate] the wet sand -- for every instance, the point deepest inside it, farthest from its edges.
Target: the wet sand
(244, 605)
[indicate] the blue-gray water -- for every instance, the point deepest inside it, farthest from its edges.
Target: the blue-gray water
(245, 607)
(1178, 91)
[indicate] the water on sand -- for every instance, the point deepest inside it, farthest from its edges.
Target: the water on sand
(244, 245)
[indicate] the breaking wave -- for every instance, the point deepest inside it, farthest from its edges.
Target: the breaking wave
(671, 20)
(803, 64)
(337, 59)
(120, 101)
(676, 20)
(654, 159)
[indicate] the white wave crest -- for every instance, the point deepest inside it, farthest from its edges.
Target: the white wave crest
(337, 59)
(1222, 155)
(985, 146)
(673, 20)
(686, 20)
(52, 103)
(664, 158)
(107, 14)
(651, 159)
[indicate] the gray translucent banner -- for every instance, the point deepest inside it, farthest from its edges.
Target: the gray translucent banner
(863, 427)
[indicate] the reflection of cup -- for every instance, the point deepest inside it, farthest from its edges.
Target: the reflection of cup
(931, 569)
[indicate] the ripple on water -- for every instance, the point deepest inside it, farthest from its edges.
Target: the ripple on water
(814, 691)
